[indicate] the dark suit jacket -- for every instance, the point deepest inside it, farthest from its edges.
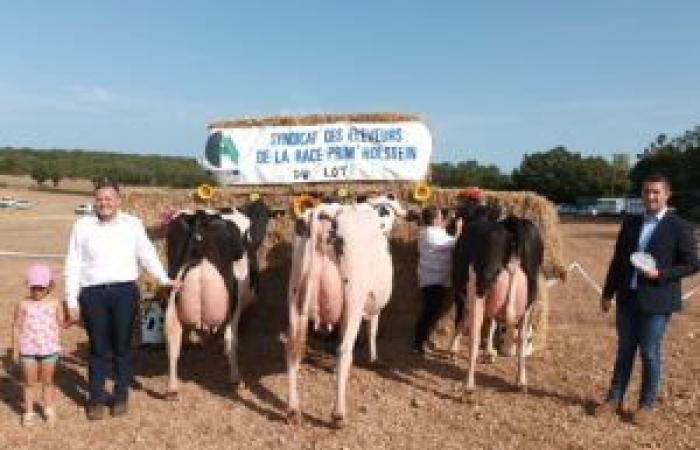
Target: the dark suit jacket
(673, 247)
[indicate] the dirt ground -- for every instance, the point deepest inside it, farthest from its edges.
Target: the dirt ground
(409, 402)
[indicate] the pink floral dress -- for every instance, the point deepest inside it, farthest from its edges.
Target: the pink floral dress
(39, 333)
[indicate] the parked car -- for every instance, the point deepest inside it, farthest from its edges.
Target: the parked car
(565, 208)
(24, 204)
(589, 210)
(7, 202)
(85, 209)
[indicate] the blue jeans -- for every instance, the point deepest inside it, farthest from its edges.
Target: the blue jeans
(636, 329)
(108, 312)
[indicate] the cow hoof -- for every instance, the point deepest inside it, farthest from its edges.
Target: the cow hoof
(522, 388)
(338, 421)
(294, 417)
(488, 358)
(172, 396)
(236, 385)
(468, 394)
(379, 365)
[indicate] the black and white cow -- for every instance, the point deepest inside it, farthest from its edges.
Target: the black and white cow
(214, 254)
(502, 259)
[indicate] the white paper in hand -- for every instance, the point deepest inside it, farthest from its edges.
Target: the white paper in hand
(643, 261)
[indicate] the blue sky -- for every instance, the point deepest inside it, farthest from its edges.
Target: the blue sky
(493, 80)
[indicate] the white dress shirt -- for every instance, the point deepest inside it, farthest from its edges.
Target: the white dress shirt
(108, 252)
(435, 248)
(649, 223)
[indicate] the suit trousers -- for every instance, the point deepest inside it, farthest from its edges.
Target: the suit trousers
(108, 311)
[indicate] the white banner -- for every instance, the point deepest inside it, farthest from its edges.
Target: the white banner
(330, 152)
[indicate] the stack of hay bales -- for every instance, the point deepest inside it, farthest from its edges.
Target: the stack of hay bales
(544, 214)
(151, 204)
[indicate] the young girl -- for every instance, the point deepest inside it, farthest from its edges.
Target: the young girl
(37, 320)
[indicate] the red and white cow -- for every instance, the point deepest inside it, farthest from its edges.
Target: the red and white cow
(341, 273)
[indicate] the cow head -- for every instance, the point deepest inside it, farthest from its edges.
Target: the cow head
(388, 209)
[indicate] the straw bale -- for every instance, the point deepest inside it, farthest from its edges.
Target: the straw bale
(314, 119)
(151, 204)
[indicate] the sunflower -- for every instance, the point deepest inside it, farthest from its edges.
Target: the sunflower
(301, 203)
(422, 192)
(204, 192)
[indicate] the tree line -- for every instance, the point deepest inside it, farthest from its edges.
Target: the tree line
(52, 166)
(560, 174)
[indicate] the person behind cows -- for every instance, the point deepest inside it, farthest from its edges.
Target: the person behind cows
(341, 274)
(214, 254)
(101, 268)
(645, 299)
(434, 265)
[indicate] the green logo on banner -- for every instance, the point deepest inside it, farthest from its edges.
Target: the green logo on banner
(227, 147)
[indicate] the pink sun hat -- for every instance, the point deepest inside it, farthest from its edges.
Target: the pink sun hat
(39, 275)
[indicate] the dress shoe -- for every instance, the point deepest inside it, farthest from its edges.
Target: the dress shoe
(95, 411)
(119, 408)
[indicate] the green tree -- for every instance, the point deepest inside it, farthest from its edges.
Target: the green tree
(563, 176)
(40, 172)
(468, 173)
(679, 160)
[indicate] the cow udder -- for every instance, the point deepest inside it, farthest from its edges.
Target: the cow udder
(204, 298)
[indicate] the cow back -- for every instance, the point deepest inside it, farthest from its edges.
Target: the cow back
(528, 245)
(191, 237)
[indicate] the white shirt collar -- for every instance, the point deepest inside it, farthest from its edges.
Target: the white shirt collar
(658, 216)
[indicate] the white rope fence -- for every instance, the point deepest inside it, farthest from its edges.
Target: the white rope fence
(594, 284)
(31, 255)
(550, 282)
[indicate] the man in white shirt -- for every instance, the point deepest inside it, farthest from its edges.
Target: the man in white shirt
(435, 248)
(101, 269)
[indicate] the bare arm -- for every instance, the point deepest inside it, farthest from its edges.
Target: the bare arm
(60, 316)
(17, 321)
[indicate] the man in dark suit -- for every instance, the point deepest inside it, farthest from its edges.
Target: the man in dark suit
(646, 298)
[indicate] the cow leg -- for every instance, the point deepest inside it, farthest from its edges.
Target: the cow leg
(491, 354)
(173, 334)
(476, 318)
(455, 340)
(342, 371)
(295, 346)
(232, 345)
(522, 343)
(372, 327)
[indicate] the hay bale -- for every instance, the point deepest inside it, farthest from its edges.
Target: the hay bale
(151, 203)
(314, 119)
(543, 213)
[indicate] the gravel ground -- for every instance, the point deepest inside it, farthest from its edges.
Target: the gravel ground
(407, 402)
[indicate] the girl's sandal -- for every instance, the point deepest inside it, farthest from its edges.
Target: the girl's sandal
(50, 416)
(28, 419)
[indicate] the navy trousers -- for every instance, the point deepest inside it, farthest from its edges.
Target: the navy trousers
(433, 303)
(108, 311)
